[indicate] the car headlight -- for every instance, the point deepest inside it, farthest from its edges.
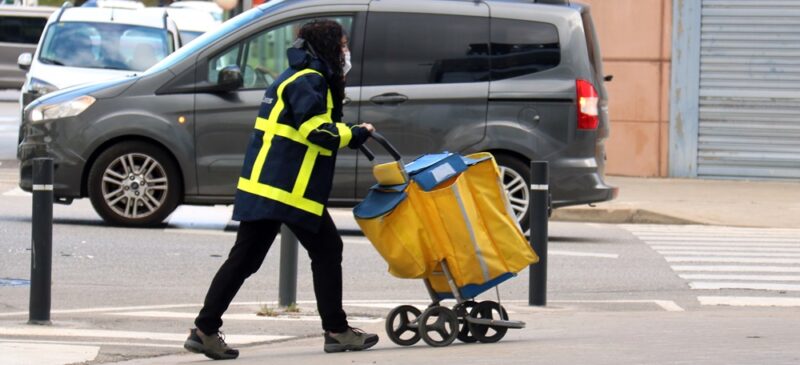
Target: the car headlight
(40, 87)
(63, 109)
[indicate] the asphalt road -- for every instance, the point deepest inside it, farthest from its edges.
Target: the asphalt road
(616, 293)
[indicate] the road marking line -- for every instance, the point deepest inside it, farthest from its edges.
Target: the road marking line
(750, 301)
(17, 191)
(582, 254)
(735, 268)
(740, 277)
(211, 232)
(22, 353)
(96, 343)
(156, 336)
(243, 316)
(186, 216)
(744, 260)
(698, 228)
(765, 234)
(199, 305)
(695, 240)
(667, 305)
(724, 249)
(752, 253)
(704, 285)
(725, 244)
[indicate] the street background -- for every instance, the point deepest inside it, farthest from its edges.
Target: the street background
(724, 289)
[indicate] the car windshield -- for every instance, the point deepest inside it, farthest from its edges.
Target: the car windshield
(227, 28)
(105, 46)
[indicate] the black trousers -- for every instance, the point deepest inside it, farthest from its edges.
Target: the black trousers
(253, 240)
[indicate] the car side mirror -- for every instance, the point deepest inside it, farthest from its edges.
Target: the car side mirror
(230, 78)
(24, 61)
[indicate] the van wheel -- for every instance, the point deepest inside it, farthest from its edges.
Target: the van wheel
(516, 179)
(134, 184)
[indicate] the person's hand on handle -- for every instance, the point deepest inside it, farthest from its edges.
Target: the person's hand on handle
(370, 128)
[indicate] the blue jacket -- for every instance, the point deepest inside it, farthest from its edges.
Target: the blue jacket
(288, 167)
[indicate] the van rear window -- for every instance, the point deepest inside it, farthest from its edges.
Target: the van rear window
(18, 29)
(523, 47)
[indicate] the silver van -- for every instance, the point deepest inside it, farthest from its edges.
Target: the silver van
(520, 79)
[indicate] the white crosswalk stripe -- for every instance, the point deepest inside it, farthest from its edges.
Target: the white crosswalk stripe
(730, 260)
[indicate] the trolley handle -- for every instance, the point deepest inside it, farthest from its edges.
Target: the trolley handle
(383, 142)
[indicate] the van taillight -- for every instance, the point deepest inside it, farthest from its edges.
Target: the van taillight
(587, 105)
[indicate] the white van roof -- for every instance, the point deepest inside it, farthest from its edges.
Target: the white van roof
(107, 15)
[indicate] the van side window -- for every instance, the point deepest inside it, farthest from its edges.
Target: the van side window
(404, 48)
(263, 57)
(25, 30)
(522, 47)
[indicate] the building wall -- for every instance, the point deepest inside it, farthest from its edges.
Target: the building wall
(635, 39)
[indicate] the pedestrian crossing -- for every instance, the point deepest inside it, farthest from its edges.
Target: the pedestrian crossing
(731, 261)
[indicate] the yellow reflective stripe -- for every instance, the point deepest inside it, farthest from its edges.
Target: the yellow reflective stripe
(345, 134)
(282, 196)
(329, 104)
(304, 176)
(261, 124)
(286, 131)
(312, 124)
(266, 143)
(269, 126)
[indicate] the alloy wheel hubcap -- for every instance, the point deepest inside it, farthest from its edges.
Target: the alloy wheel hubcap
(517, 192)
(134, 185)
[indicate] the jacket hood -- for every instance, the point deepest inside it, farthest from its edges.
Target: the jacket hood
(300, 59)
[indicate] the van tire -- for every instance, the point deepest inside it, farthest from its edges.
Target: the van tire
(512, 169)
(134, 184)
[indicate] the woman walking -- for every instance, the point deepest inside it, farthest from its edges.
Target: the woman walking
(286, 179)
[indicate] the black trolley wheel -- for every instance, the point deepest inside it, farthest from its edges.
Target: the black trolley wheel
(488, 333)
(440, 321)
(462, 311)
(399, 324)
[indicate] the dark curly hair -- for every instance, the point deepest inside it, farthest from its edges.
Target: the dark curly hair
(325, 36)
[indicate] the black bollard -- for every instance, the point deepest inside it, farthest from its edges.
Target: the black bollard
(287, 282)
(540, 191)
(42, 241)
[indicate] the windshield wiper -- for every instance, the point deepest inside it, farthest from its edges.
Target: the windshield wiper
(50, 61)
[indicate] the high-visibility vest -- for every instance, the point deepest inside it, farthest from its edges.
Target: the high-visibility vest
(285, 176)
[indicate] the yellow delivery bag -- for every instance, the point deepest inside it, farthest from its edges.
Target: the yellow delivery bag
(450, 209)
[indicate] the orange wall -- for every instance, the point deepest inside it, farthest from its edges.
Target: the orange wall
(636, 44)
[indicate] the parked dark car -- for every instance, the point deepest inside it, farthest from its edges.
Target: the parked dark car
(516, 78)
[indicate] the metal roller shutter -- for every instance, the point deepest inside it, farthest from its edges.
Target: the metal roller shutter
(749, 123)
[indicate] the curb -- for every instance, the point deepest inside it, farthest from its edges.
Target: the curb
(617, 216)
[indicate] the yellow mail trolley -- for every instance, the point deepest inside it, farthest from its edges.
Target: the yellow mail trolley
(445, 218)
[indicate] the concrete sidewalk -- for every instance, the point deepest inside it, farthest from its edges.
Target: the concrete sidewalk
(564, 336)
(695, 201)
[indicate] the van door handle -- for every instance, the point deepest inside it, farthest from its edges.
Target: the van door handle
(389, 99)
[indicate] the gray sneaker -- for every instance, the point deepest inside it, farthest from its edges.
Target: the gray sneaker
(353, 339)
(213, 346)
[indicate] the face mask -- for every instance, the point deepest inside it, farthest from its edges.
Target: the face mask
(347, 65)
